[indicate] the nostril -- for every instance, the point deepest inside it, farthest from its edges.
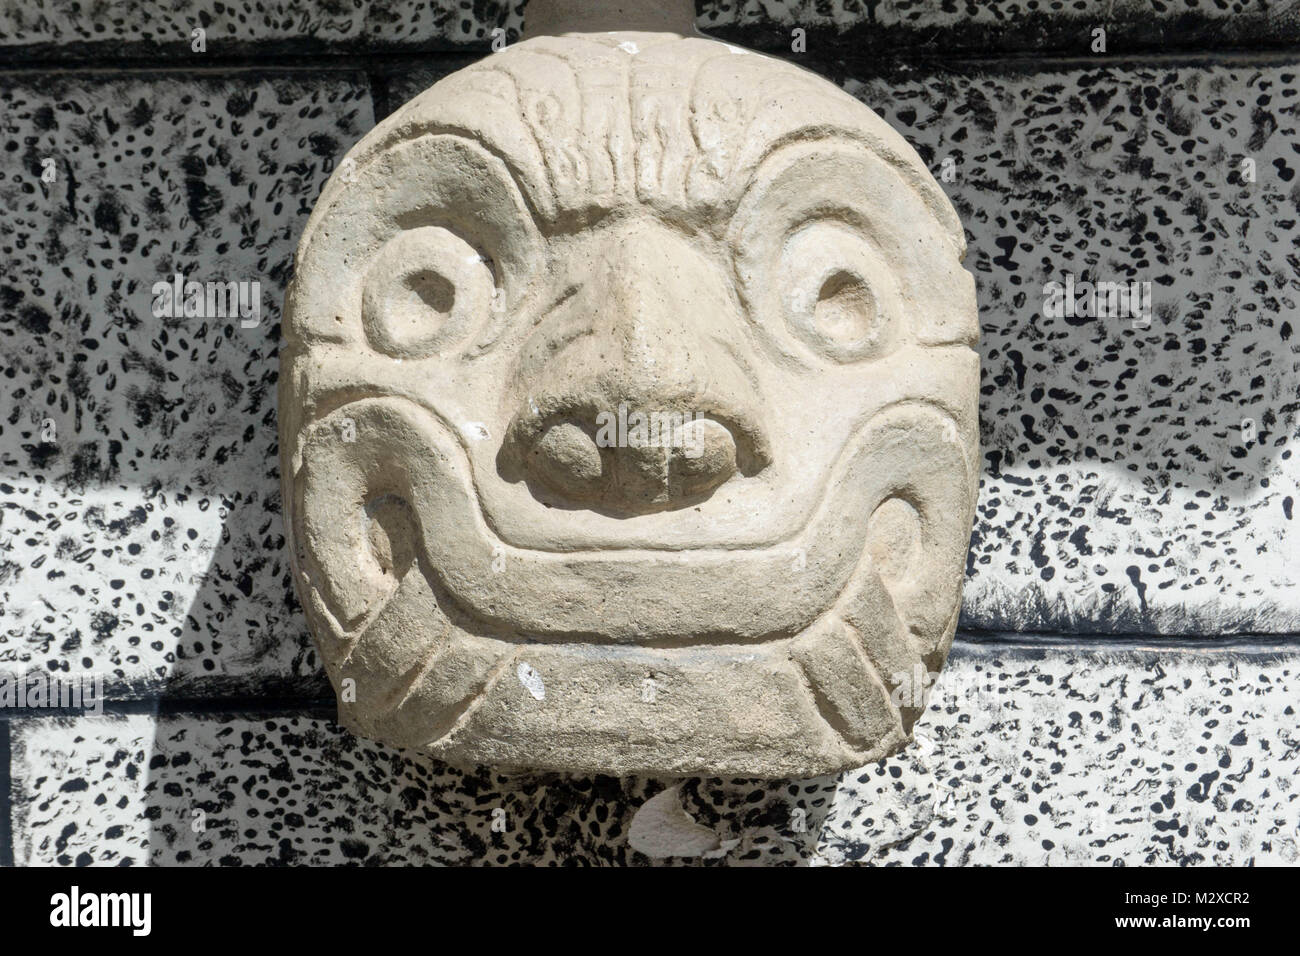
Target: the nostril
(565, 456)
(628, 461)
(705, 458)
(741, 435)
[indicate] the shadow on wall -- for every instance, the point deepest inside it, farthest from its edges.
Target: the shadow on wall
(1138, 480)
(295, 790)
(1137, 463)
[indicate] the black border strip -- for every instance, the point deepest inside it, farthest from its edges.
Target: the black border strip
(1098, 642)
(6, 799)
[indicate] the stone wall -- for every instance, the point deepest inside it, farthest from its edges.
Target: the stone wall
(1124, 682)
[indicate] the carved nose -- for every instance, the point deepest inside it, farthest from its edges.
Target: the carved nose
(633, 460)
(633, 403)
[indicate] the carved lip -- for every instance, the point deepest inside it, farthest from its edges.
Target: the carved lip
(642, 597)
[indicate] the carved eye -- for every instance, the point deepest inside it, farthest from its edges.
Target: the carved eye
(838, 296)
(424, 291)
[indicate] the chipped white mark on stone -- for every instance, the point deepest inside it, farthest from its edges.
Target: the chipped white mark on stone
(628, 47)
(662, 828)
(477, 431)
(531, 680)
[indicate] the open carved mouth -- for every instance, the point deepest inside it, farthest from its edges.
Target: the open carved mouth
(432, 616)
(401, 493)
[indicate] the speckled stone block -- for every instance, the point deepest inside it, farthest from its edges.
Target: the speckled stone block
(1137, 479)
(1068, 757)
(1023, 757)
(140, 531)
(59, 27)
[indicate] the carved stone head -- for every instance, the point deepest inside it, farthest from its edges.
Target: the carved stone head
(628, 417)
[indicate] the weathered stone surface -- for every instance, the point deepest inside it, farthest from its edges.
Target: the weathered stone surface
(1049, 757)
(628, 416)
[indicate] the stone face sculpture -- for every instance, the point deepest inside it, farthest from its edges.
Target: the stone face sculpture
(628, 417)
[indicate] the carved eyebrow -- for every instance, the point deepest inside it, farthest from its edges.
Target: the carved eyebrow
(502, 319)
(338, 192)
(911, 173)
(782, 154)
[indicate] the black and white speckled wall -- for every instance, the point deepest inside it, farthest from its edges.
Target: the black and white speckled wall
(1123, 689)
